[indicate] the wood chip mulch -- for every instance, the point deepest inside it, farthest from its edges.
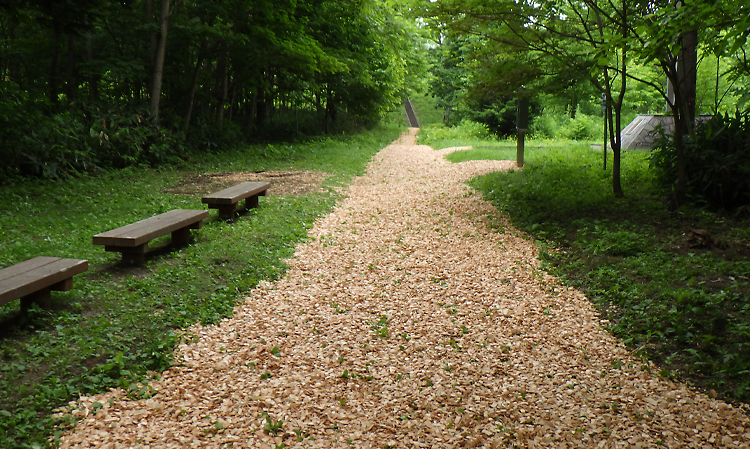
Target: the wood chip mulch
(407, 322)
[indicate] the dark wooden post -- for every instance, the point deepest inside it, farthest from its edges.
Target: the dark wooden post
(522, 125)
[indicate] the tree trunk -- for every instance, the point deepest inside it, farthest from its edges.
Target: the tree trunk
(253, 111)
(14, 64)
(329, 110)
(92, 78)
(615, 107)
(573, 107)
(153, 40)
(687, 68)
(52, 84)
(158, 70)
(223, 89)
(616, 157)
(678, 139)
(681, 73)
(193, 89)
(613, 112)
(70, 82)
(232, 101)
(261, 107)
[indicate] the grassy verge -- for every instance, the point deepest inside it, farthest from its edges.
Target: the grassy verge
(119, 322)
(674, 286)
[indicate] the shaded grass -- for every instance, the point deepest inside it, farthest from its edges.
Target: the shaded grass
(669, 292)
(119, 322)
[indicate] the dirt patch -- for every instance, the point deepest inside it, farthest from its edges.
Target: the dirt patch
(283, 182)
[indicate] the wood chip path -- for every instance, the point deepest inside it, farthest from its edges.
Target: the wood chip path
(406, 322)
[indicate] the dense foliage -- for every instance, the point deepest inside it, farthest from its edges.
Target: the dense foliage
(717, 162)
(88, 84)
(503, 49)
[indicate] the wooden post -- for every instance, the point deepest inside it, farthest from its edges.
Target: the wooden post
(522, 124)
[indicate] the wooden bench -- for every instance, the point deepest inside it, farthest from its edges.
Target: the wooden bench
(132, 240)
(33, 279)
(226, 200)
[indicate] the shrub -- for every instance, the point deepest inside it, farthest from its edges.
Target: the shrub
(717, 162)
(551, 126)
(66, 143)
(467, 129)
(127, 136)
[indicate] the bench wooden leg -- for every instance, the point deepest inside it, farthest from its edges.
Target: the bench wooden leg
(227, 211)
(251, 202)
(135, 255)
(41, 297)
(181, 236)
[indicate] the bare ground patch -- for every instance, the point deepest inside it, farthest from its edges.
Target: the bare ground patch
(283, 182)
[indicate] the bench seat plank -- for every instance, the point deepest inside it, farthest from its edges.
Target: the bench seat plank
(236, 193)
(38, 274)
(140, 232)
(131, 240)
(226, 200)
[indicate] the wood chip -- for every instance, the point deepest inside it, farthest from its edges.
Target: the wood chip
(407, 321)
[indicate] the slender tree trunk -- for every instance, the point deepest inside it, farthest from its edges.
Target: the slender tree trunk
(232, 101)
(678, 139)
(613, 108)
(159, 62)
(70, 82)
(193, 89)
(253, 111)
(223, 90)
(271, 97)
(680, 191)
(613, 118)
(153, 40)
(14, 64)
(617, 146)
(329, 110)
(681, 72)
(573, 107)
(92, 79)
(52, 83)
(318, 106)
(680, 129)
(716, 87)
(261, 106)
(687, 68)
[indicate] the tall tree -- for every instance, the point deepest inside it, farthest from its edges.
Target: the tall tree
(158, 67)
(547, 40)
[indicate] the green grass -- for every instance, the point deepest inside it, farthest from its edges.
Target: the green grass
(119, 322)
(680, 300)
